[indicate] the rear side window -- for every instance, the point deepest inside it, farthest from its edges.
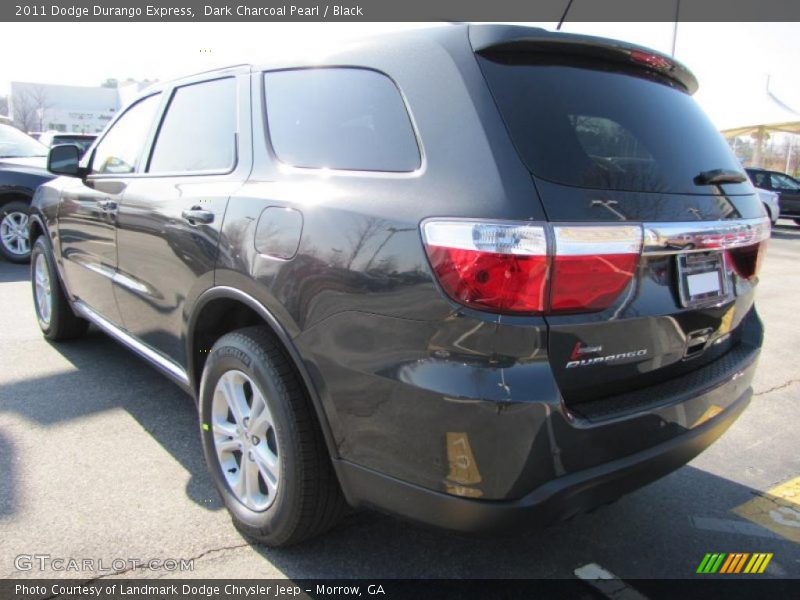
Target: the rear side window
(119, 150)
(596, 126)
(339, 118)
(198, 132)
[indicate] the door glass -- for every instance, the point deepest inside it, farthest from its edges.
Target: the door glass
(198, 132)
(781, 182)
(760, 180)
(119, 151)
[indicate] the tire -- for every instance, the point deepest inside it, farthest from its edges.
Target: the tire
(286, 447)
(53, 312)
(13, 226)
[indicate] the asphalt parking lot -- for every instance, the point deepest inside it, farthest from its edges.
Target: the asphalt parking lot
(100, 459)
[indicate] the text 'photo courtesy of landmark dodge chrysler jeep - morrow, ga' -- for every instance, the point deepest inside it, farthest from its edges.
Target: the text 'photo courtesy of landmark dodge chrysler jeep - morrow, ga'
(495, 291)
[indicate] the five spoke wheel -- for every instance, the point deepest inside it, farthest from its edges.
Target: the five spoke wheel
(245, 440)
(14, 233)
(42, 290)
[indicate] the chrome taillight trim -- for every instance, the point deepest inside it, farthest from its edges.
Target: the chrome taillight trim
(589, 239)
(702, 236)
(582, 238)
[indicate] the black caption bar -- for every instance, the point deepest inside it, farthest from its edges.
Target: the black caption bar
(402, 10)
(378, 589)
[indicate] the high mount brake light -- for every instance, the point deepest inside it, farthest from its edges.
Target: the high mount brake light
(651, 60)
(514, 267)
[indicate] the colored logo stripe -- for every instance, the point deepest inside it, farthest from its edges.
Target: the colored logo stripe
(711, 563)
(758, 563)
(734, 563)
(721, 562)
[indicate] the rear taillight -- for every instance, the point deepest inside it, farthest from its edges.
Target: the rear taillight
(490, 266)
(746, 261)
(531, 268)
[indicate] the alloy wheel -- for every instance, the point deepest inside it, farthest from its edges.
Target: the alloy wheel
(14, 233)
(245, 440)
(43, 290)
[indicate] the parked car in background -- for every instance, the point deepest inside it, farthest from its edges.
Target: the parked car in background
(23, 167)
(56, 138)
(496, 291)
(786, 186)
(771, 203)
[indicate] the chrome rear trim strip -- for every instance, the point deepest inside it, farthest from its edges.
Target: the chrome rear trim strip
(701, 236)
(142, 349)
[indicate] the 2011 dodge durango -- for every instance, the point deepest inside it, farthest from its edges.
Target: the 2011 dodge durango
(478, 276)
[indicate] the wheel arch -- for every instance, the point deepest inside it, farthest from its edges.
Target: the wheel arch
(220, 300)
(11, 194)
(36, 228)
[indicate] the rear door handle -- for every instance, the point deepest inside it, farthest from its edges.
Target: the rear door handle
(196, 215)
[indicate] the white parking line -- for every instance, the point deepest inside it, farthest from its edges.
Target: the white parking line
(607, 583)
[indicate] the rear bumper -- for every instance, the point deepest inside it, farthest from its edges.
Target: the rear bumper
(553, 501)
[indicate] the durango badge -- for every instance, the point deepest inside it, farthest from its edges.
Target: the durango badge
(578, 351)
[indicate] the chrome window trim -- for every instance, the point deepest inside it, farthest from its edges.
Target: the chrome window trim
(702, 236)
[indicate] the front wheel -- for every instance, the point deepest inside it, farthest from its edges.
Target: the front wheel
(262, 442)
(56, 319)
(14, 241)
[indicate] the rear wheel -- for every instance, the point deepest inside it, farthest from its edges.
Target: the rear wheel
(14, 242)
(263, 444)
(56, 318)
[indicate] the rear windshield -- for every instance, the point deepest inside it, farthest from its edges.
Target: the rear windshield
(595, 126)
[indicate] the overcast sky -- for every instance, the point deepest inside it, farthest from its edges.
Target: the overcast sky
(731, 60)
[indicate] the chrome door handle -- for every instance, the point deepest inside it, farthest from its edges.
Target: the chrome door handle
(107, 204)
(197, 215)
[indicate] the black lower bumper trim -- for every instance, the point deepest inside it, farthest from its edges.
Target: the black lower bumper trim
(556, 500)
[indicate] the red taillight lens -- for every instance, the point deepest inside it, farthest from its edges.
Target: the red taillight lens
(495, 281)
(510, 267)
(590, 282)
(592, 265)
(746, 261)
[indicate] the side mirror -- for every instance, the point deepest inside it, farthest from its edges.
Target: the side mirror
(64, 159)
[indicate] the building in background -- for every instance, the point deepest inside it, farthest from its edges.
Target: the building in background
(70, 108)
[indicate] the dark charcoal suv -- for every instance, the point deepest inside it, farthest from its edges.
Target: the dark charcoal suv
(477, 276)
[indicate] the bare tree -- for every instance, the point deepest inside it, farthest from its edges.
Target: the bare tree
(366, 229)
(30, 105)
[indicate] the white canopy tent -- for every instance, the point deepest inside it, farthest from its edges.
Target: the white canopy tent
(759, 113)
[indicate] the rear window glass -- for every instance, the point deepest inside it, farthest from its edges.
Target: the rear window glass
(595, 127)
(339, 118)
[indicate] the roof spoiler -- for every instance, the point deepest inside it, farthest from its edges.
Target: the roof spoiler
(515, 38)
